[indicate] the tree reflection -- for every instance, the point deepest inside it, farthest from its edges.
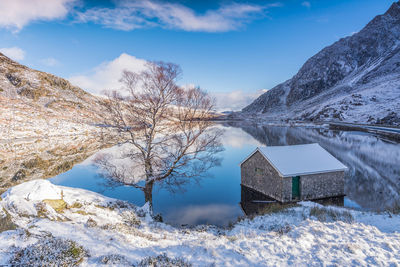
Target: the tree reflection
(120, 168)
(169, 134)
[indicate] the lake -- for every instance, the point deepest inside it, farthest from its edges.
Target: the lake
(372, 180)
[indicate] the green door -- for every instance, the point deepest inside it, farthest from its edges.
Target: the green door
(296, 187)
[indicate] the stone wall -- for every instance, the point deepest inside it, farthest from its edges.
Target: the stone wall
(266, 180)
(322, 185)
(287, 189)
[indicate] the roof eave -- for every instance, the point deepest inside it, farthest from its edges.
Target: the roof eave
(310, 173)
(249, 156)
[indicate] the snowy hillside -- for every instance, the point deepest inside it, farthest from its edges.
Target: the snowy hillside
(48, 224)
(37, 104)
(357, 79)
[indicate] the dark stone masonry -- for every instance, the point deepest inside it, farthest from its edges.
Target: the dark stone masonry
(257, 173)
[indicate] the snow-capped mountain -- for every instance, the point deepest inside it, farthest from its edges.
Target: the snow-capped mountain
(357, 79)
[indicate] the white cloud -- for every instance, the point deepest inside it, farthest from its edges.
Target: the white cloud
(238, 138)
(129, 15)
(15, 53)
(51, 62)
(132, 14)
(106, 76)
(306, 4)
(236, 100)
(15, 14)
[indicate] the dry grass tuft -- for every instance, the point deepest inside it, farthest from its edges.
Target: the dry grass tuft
(76, 205)
(58, 205)
(324, 214)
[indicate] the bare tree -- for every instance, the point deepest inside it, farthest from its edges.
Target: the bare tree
(168, 128)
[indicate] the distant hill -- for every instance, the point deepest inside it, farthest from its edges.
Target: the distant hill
(35, 103)
(357, 79)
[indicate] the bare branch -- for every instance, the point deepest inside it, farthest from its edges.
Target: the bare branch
(168, 126)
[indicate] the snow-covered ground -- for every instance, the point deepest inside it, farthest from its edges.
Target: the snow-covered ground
(91, 229)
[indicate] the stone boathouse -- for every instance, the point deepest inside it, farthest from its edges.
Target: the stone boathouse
(293, 173)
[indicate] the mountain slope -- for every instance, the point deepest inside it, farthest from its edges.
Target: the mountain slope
(34, 103)
(356, 79)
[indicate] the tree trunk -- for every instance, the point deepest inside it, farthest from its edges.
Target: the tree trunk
(148, 195)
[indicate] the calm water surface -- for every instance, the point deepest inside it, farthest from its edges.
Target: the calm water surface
(372, 181)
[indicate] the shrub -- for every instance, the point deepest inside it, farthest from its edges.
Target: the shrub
(55, 81)
(115, 259)
(328, 214)
(34, 94)
(130, 218)
(49, 251)
(280, 229)
(91, 223)
(36, 162)
(163, 261)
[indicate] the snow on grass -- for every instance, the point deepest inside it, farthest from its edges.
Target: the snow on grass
(51, 251)
(113, 232)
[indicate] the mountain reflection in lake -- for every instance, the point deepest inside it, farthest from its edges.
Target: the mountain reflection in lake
(372, 181)
(25, 159)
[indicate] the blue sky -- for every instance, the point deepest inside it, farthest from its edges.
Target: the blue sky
(231, 49)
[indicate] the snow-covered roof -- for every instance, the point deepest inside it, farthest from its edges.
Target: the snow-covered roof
(300, 159)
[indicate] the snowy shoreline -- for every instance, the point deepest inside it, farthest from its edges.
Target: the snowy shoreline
(113, 232)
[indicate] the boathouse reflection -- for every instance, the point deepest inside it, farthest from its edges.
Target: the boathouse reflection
(254, 203)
